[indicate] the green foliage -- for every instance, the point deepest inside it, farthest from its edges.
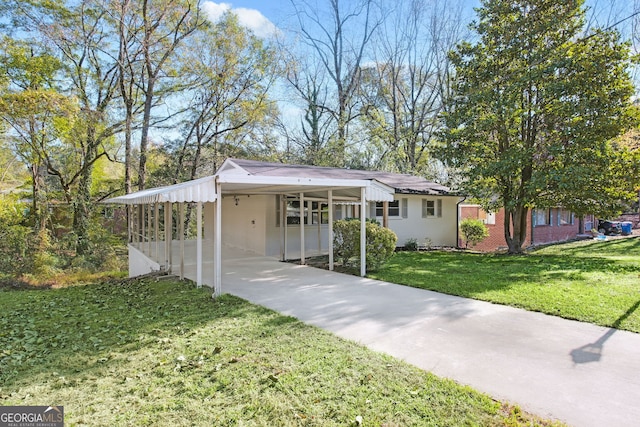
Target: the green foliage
(159, 349)
(14, 236)
(534, 109)
(473, 231)
(590, 281)
(380, 242)
(411, 244)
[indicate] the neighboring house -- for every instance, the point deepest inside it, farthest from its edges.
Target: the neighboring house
(543, 226)
(278, 210)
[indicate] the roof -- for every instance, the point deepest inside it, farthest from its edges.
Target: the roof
(401, 183)
(199, 190)
(239, 176)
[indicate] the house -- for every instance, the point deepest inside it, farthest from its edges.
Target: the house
(277, 210)
(544, 226)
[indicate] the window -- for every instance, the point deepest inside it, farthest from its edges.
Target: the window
(542, 217)
(312, 212)
(431, 208)
(490, 218)
(392, 210)
(565, 217)
(319, 210)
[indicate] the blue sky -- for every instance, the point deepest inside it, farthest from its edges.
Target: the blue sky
(264, 16)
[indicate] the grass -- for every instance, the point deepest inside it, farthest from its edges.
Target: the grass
(590, 281)
(162, 353)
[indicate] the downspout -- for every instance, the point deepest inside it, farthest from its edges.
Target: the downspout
(458, 220)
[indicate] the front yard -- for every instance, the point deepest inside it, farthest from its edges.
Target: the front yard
(590, 281)
(161, 353)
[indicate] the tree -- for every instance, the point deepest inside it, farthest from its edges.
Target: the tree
(339, 39)
(534, 109)
(229, 73)
(35, 114)
(405, 88)
(165, 25)
(473, 231)
(80, 35)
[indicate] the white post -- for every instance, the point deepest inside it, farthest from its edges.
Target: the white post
(143, 228)
(302, 261)
(363, 232)
(156, 222)
(149, 229)
(181, 227)
(319, 223)
(285, 218)
(199, 244)
(330, 201)
(217, 268)
(168, 236)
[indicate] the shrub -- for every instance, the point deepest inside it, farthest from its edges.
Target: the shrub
(15, 238)
(473, 231)
(381, 242)
(411, 245)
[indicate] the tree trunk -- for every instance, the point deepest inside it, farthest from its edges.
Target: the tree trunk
(515, 228)
(82, 204)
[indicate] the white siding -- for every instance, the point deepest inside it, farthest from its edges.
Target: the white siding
(441, 231)
(244, 223)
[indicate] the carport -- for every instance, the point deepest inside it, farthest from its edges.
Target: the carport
(155, 243)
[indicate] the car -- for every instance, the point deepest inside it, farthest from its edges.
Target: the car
(609, 227)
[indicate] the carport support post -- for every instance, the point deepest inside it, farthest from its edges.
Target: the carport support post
(181, 227)
(156, 229)
(363, 232)
(217, 267)
(283, 225)
(168, 236)
(330, 201)
(302, 260)
(149, 228)
(199, 245)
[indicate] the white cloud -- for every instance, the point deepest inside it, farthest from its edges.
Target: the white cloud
(215, 10)
(251, 19)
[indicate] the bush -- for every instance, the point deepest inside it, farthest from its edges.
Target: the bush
(381, 242)
(15, 238)
(473, 231)
(411, 245)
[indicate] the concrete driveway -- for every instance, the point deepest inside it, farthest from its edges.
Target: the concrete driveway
(581, 374)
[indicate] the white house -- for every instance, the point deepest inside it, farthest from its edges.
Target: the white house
(278, 210)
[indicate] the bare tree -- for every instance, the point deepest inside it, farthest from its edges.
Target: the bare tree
(339, 40)
(165, 25)
(406, 85)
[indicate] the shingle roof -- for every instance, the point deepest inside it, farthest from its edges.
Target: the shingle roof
(402, 183)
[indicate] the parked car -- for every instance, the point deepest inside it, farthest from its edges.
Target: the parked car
(609, 227)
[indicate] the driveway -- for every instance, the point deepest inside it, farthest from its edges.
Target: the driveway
(581, 374)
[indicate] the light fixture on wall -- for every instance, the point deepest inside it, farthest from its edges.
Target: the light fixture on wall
(237, 199)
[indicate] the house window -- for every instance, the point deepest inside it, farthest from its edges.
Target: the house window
(565, 217)
(542, 217)
(490, 218)
(312, 212)
(392, 210)
(319, 211)
(431, 208)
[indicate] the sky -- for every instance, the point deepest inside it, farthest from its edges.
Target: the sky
(265, 17)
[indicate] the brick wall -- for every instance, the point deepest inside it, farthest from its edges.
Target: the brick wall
(547, 233)
(496, 240)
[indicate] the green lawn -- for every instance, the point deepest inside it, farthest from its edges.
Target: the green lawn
(165, 354)
(590, 281)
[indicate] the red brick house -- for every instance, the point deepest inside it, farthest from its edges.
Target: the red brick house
(544, 226)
